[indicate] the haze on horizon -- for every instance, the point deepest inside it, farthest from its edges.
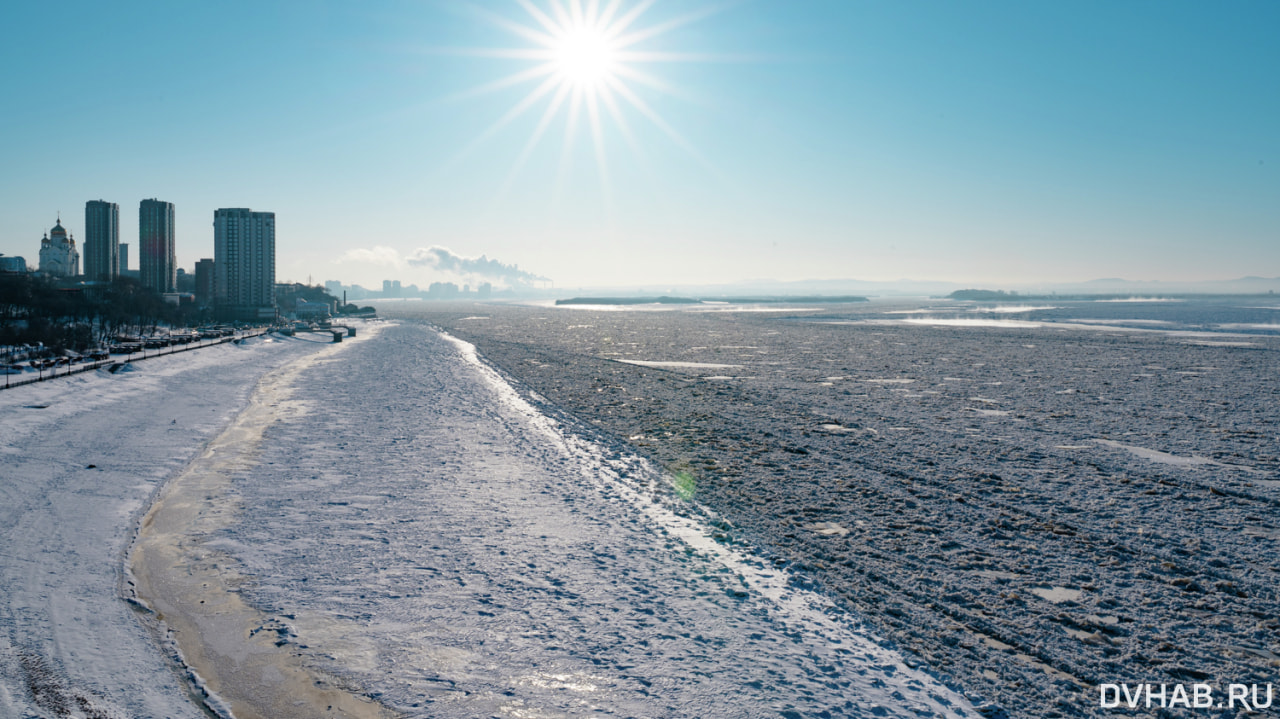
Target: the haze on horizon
(634, 143)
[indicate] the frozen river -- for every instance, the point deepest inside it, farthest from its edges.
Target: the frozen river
(416, 528)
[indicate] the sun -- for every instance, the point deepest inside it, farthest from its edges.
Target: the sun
(585, 56)
(582, 58)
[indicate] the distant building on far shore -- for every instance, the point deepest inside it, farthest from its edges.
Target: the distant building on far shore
(392, 288)
(124, 257)
(157, 258)
(13, 264)
(58, 255)
(305, 310)
(101, 240)
(244, 263)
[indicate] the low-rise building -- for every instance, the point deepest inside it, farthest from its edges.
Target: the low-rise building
(12, 264)
(305, 310)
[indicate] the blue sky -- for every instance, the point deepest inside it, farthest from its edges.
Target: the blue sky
(981, 142)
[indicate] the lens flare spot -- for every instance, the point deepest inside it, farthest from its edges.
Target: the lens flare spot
(684, 484)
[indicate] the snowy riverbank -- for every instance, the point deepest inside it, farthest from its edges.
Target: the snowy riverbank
(195, 592)
(82, 457)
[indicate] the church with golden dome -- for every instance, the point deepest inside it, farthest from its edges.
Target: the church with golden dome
(58, 255)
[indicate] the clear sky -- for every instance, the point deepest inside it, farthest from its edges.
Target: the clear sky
(984, 141)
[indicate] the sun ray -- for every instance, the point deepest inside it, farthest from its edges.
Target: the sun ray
(545, 122)
(566, 21)
(542, 18)
(532, 34)
(625, 21)
(659, 56)
(566, 151)
(521, 107)
(645, 78)
(597, 138)
(606, 15)
(517, 78)
(643, 108)
(624, 127)
(602, 161)
(631, 38)
(505, 53)
(547, 86)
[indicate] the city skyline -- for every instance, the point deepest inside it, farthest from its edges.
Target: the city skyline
(697, 144)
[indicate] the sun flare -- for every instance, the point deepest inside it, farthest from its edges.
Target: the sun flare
(584, 58)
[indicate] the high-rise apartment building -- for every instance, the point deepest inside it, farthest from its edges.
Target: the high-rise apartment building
(157, 261)
(244, 262)
(204, 282)
(101, 240)
(124, 257)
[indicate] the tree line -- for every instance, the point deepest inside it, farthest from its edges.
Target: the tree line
(35, 309)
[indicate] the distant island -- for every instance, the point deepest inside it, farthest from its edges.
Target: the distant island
(629, 301)
(984, 295)
(1002, 296)
(665, 300)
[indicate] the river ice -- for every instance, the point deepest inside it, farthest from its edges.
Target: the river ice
(427, 533)
(940, 481)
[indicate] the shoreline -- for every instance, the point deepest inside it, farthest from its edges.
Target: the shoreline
(240, 658)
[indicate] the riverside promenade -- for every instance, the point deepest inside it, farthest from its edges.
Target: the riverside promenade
(42, 375)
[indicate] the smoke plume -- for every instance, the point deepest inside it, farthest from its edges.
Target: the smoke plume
(444, 260)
